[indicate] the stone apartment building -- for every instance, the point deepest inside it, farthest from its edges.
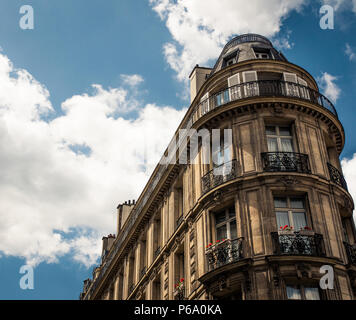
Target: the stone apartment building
(260, 220)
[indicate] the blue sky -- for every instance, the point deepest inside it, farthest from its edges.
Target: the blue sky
(138, 54)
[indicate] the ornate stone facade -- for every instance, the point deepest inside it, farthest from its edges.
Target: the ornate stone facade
(263, 228)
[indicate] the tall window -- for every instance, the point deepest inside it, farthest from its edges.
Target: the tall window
(222, 154)
(225, 224)
(301, 292)
(290, 211)
(279, 139)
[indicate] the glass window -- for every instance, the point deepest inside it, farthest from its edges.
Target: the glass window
(279, 139)
(282, 219)
(302, 292)
(312, 294)
(280, 202)
(293, 293)
(225, 224)
(290, 211)
(221, 232)
(297, 203)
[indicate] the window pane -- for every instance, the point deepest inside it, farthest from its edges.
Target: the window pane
(285, 131)
(219, 100)
(282, 219)
(312, 294)
(233, 231)
(232, 212)
(270, 130)
(272, 145)
(221, 233)
(226, 96)
(227, 155)
(220, 217)
(286, 145)
(297, 203)
(280, 202)
(299, 220)
(293, 293)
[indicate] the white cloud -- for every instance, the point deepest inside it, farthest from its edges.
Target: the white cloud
(341, 5)
(55, 198)
(327, 83)
(201, 28)
(132, 79)
(350, 53)
(349, 170)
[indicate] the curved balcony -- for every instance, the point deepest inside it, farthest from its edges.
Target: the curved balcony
(285, 162)
(219, 175)
(351, 252)
(298, 243)
(262, 88)
(337, 177)
(224, 252)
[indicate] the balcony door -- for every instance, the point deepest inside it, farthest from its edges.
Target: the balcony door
(279, 139)
(290, 211)
(225, 224)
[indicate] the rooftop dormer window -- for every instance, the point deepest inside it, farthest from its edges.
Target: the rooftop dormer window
(230, 59)
(262, 53)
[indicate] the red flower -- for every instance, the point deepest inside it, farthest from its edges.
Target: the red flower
(217, 240)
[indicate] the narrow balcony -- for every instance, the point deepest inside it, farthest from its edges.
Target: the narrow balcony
(179, 290)
(285, 162)
(298, 243)
(337, 177)
(262, 88)
(223, 253)
(219, 175)
(351, 252)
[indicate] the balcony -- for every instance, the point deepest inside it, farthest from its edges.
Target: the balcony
(156, 253)
(223, 253)
(179, 292)
(262, 88)
(143, 272)
(351, 252)
(219, 175)
(285, 162)
(179, 221)
(337, 177)
(298, 244)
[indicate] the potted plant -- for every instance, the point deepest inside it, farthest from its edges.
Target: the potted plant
(286, 230)
(216, 243)
(306, 231)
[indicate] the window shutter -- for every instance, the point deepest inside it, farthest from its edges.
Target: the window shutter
(304, 91)
(250, 89)
(234, 87)
(205, 103)
(291, 88)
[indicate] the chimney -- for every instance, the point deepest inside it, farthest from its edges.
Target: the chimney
(197, 79)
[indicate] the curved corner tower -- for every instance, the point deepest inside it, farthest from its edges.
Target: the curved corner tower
(260, 220)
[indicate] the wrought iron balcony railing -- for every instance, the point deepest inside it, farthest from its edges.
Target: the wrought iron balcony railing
(351, 252)
(224, 252)
(286, 162)
(156, 253)
(262, 88)
(298, 243)
(131, 288)
(337, 177)
(179, 221)
(143, 272)
(179, 293)
(219, 175)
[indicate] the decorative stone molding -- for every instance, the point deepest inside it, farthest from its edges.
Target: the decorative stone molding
(303, 270)
(289, 181)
